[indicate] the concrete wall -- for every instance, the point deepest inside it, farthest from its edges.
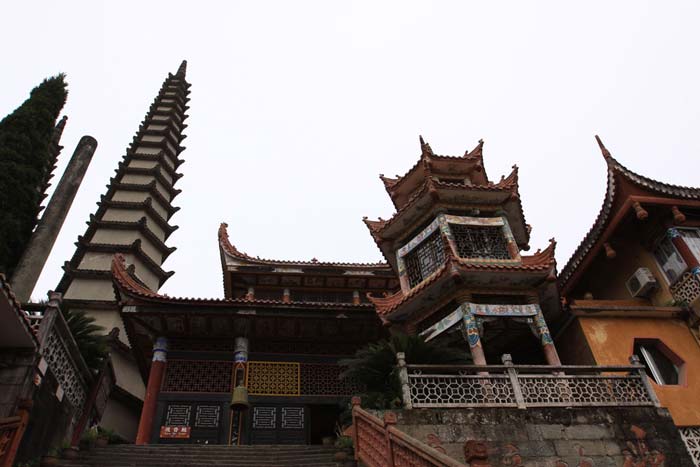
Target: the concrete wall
(612, 339)
(553, 437)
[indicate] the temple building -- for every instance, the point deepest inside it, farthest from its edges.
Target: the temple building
(455, 243)
(553, 358)
(633, 287)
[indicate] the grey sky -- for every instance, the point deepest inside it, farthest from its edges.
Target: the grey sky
(296, 107)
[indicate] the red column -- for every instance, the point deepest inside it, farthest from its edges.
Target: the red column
(155, 378)
(683, 249)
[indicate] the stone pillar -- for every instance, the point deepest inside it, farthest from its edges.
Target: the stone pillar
(550, 352)
(155, 379)
(473, 338)
(42, 240)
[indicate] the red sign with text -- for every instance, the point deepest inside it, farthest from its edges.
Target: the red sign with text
(175, 432)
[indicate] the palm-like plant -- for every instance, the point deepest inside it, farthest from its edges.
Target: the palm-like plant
(374, 366)
(89, 337)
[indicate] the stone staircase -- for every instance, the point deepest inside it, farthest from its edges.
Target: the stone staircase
(201, 456)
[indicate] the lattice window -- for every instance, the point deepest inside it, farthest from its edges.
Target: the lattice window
(425, 259)
(264, 418)
(319, 379)
(687, 289)
(480, 241)
(691, 438)
(292, 418)
(198, 376)
(323, 297)
(64, 369)
(178, 415)
(273, 378)
(207, 416)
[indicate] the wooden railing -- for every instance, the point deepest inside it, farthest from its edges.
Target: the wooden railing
(11, 432)
(379, 443)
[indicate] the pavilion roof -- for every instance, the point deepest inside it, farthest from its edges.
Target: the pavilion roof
(619, 177)
(542, 262)
(229, 249)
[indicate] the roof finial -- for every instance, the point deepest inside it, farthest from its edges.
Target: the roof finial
(182, 70)
(425, 148)
(477, 151)
(603, 149)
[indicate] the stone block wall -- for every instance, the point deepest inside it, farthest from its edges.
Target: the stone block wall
(551, 437)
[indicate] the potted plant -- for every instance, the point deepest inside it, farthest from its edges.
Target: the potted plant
(344, 452)
(68, 451)
(88, 439)
(103, 437)
(51, 457)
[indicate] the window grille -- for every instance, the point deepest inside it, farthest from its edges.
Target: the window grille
(480, 241)
(424, 259)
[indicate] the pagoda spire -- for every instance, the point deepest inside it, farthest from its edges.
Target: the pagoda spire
(182, 71)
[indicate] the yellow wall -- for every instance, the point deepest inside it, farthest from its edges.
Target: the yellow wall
(611, 341)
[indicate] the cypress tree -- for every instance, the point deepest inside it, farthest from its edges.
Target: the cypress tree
(25, 135)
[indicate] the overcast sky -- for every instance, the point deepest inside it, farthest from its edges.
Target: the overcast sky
(296, 107)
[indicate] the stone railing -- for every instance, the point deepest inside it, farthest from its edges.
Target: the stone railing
(687, 288)
(378, 443)
(60, 352)
(523, 386)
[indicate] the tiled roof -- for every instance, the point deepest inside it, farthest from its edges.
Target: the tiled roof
(542, 261)
(126, 282)
(614, 168)
(231, 250)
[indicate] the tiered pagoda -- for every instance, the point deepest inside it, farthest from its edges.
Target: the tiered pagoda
(455, 243)
(279, 333)
(132, 219)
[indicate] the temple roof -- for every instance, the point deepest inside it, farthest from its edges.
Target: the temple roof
(619, 177)
(230, 250)
(16, 329)
(542, 262)
(126, 284)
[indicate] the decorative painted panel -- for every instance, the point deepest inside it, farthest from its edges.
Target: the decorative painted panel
(273, 378)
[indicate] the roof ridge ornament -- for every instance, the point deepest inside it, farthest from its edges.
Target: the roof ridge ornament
(478, 150)
(603, 149)
(425, 148)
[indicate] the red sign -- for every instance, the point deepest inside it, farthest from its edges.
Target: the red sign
(175, 432)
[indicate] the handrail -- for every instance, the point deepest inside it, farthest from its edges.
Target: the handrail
(522, 386)
(378, 443)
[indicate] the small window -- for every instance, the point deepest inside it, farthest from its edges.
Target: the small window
(669, 260)
(692, 239)
(475, 241)
(663, 366)
(425, 259)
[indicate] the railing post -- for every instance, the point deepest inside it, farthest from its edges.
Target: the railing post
(25, 407)
(514, 382)
(389, 422)
(403, 378)
(641, 371)
(355, 401)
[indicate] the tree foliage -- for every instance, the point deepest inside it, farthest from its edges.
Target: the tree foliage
(90, 338)
(25, 136)
(374, 366)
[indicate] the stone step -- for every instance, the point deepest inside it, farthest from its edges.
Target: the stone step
(205, 455)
